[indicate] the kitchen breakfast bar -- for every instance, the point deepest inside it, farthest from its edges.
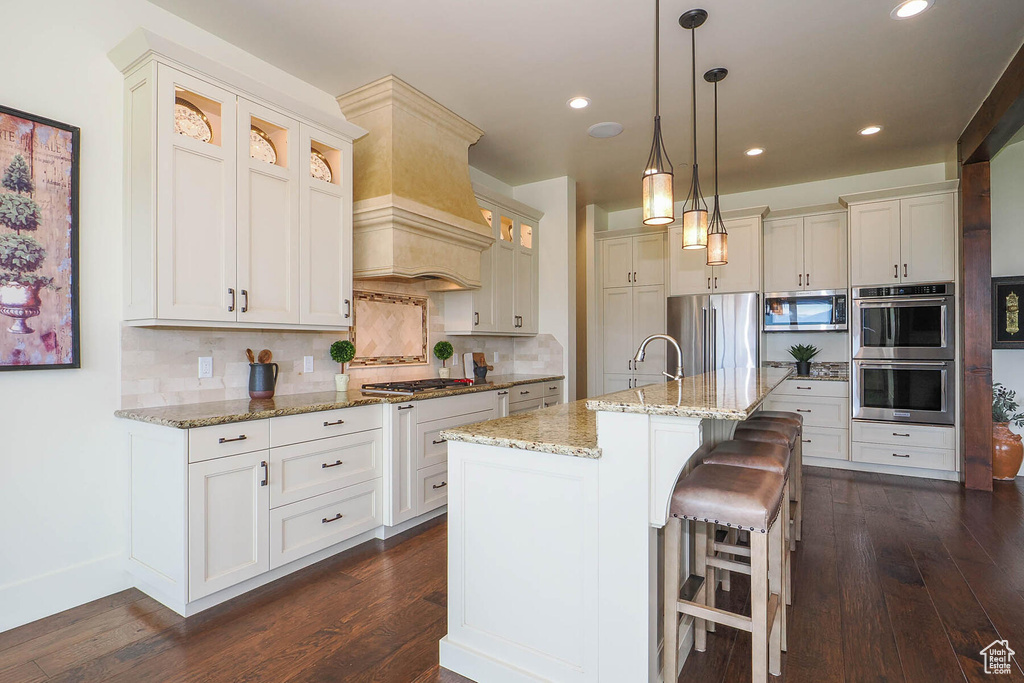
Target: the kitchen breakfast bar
(553, 528)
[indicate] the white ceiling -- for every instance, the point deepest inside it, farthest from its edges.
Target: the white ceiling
(805, 75)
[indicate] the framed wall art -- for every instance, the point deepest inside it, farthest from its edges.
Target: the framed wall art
(1007, 323)
(39, 317)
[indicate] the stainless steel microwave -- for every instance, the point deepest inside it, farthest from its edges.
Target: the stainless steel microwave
(805, 311)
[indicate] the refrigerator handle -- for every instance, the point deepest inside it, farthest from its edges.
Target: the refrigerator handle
(704, 339)
(714, 340)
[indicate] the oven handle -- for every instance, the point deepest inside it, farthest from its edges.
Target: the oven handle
(903, 364)
(886, 301)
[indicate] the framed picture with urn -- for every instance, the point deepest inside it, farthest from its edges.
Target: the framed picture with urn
(1007, 323)
(39, 316)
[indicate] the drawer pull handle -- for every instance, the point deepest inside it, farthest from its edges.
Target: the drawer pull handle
(898, 434)
(334, 424)
(405, 407)
(333, 464)
(502, 393)
(335, 518)
(439, 486)
(266, 473)
(241, 437)
(523, 393)
(806, 440)
(801, 410)
(899, 455)
(437, 441)
(804, 388)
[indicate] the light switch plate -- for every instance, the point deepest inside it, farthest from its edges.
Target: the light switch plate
(495, 357)
(307, 363)
(205, 367)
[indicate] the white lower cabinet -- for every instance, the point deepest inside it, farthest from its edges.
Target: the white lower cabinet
(886, 443)
(432, 487)
(825, 407)
(228, 522)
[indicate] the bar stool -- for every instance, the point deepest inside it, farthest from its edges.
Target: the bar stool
(789, 432)
(759, 455)
(740, 497)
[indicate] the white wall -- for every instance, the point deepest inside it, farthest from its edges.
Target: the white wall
(487, 180)
(62, 452)
(557, 199)
(794, 196)
(1008, 251)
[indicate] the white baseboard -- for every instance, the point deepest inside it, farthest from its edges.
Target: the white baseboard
(41, 596)
(881, 469)
(386, 532)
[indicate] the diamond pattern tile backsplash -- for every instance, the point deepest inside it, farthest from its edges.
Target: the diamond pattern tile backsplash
(159, 366)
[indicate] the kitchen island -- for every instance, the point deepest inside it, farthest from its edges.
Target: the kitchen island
(553, 528)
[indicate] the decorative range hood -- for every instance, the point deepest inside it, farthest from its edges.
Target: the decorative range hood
(414, 211)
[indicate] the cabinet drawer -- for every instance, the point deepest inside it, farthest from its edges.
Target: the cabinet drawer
(824, 411)
(824, 442)
(449, 406)
(433, 450)
(552, 390)
(527, 392)
(904, 435)
(524, 406)
(324, 424)
(316, 523)
(206, 443)
(810, 387)
(432, 489)
(309, 469)
(904, 456)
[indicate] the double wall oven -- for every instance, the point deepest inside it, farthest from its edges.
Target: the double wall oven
(904, 354)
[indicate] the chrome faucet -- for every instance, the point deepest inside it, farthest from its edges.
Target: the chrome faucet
(642, 351)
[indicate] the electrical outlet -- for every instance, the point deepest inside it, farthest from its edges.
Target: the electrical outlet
(205, 367)
(307, 363)
(495, 356)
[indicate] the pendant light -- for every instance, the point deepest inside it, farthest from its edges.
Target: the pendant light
(695, 209)
(718, 237)
(659, 204)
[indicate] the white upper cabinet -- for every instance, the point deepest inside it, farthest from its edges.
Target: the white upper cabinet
(907, 240)
(617, 262)
(225, 223)
(508, 300)
(638, 260)
(805, 253)
(743, 272)
(928, 238)
(875, 243)
(688, 272)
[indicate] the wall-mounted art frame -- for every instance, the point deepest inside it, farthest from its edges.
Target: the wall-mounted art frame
(39, 308)
(389, 329)
(1007, 323)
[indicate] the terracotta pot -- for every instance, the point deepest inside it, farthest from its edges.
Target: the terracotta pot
(21, 303)
(1007, 452)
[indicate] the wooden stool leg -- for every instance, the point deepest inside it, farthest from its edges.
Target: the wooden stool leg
(712, 574)
(798, 495)
(732, 538)
(787, 567)
(759, 593)
(785, 587)
(673, 538)
(700, 627)
(776, 550)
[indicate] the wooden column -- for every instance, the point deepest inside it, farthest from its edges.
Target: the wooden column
(977, 307)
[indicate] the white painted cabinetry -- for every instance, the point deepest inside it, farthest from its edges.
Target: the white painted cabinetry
(805, 252)
(689, 274)
(508, 300)
(214, 236)
(825, 407)
(905, 240)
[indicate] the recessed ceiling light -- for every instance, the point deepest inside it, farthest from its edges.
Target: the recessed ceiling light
(910, 8)
(578, 102)
(608, 129)
(870, 130)
(754, 151)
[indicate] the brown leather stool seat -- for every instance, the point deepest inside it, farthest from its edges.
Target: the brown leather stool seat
(795, 419)
(739, 497)
(769, 432)
(758, 455)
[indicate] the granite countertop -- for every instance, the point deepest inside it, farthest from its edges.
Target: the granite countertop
(193, 415)
(567, 429)
(824, 371)
(728, 394)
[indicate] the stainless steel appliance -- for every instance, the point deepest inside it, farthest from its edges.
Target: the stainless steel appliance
(920, 391)
(824, 309)
(715, 331)
(913, 322)
(415, 386)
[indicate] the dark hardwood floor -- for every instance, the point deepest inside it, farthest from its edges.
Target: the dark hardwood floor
(896, 579)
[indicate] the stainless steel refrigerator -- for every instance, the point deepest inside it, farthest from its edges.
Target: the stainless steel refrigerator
(715, 331)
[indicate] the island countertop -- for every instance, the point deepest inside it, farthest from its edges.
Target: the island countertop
(194, 415)
(725, 394)
(568, 429)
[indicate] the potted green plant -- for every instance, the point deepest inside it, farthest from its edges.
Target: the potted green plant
(803, 353)
(1007, 450)
(20, 255)
(443, 351)
(342, 351)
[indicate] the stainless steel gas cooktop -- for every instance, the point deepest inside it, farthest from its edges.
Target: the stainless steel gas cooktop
(413, 387)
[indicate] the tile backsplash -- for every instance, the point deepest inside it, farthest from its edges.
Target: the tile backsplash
(160, 366)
